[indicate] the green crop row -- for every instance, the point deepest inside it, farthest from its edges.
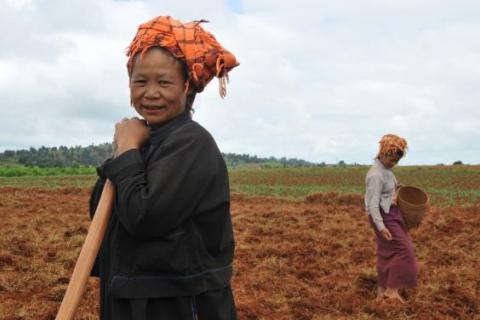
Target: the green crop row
(446, 185)
(21, 171)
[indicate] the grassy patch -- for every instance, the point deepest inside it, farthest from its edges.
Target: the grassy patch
(22, 171)
(49, 182)
(446, 185)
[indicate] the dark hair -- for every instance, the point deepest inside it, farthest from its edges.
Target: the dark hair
(398, 152)
(186, 75)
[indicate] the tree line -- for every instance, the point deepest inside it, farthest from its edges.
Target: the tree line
(58, 157)
(95, 155)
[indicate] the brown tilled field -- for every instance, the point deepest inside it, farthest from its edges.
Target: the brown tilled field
(312, 258)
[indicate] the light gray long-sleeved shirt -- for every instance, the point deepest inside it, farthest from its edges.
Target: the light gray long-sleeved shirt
(380, 184)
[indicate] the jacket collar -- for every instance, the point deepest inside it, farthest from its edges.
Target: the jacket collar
(158, 135)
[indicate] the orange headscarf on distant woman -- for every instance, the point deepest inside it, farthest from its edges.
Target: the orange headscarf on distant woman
(391, 143)
(204, 56)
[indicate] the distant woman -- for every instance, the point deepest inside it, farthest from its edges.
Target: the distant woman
(168, 249)
(396, 263)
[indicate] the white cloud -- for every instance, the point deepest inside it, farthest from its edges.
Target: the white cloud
(319, 80)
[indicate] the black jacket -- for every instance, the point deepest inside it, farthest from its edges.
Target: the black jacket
(170, 232)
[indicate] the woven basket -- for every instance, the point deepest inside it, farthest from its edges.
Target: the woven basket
(414, 204)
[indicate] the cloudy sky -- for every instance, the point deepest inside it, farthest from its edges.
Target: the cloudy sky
(320, 80)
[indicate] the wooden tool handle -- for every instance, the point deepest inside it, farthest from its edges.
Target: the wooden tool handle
(88, 254)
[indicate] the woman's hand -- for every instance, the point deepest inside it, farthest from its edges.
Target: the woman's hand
(386, 234)
(395, 197)
(395, 194)
(130, 134)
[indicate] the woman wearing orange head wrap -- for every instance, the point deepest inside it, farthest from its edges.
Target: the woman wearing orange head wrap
(396, 263)
(168, 249)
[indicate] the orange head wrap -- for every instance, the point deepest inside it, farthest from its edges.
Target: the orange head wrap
(204, 56)
(391, 143)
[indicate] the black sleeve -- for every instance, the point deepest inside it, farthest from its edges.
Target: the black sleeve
(152, 201)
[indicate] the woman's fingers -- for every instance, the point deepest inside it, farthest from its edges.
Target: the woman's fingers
(386, 234)
(389, 235)
(143, 121)
(125, 120)
(130, 133)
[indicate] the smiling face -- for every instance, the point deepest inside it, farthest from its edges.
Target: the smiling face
(157, 86)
